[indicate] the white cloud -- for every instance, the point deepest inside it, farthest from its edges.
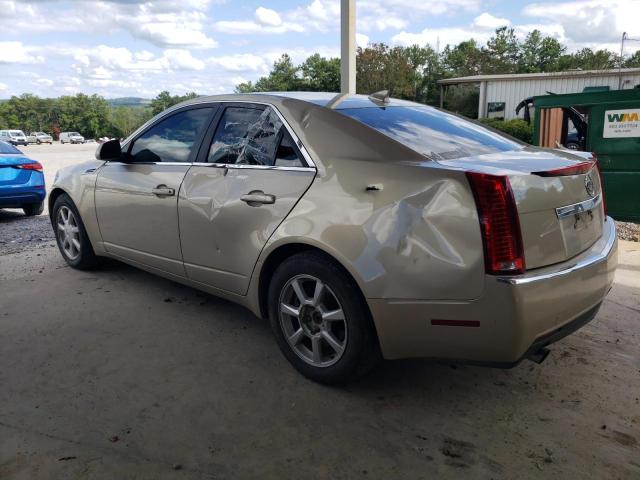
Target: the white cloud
(163, 23)
(486, 20)
(268, 21)
(3, 87)
(45, 82)
(362, 40)
(440, 36)
(16, 52)
(590, 23)
(266, 16)
(243, 62)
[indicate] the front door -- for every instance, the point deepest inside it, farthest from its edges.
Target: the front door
(137, 200)
(229, 208)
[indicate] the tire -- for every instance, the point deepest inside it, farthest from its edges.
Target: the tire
(81, 258)
(33, 209)
(61, 142)
(339, 311)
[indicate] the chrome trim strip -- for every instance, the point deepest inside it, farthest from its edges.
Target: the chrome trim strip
(569, 210)
(600, 257)
(220, 165)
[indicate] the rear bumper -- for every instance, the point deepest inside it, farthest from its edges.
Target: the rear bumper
(513, 316)
(16, 197)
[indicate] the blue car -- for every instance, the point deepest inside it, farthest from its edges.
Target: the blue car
(21, 181)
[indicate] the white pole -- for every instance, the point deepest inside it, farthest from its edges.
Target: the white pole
(348, 46)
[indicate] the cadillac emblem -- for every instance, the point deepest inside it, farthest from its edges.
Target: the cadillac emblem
(588, 186)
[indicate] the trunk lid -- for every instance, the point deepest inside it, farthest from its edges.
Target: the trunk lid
(560, 216)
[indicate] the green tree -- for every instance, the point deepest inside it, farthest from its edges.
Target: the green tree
(320, 74)
(165, 100)
(539, 54)
(633, 61)
(464, 59)
(502, 52)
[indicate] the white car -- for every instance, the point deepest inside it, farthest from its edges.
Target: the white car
(14, 137)
(39, 137)
(71, 137)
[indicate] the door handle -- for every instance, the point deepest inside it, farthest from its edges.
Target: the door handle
(163, 191)
(257, 198)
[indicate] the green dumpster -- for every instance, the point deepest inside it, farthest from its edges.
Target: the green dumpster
(606, 123)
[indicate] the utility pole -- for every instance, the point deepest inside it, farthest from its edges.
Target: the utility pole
(624, 37)
(348, 46)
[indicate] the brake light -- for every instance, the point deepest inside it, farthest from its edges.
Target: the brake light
(499, 223)
(577, 169)
(604, 203)
(30, 166)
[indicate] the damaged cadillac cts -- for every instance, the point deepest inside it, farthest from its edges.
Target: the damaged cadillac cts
(362, 227)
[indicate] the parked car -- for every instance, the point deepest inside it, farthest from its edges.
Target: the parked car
(360, 226)
(71, 137)
(21, 181)
(14, 137)
(39, 137)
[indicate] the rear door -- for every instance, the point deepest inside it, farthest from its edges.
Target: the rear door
(249, 177)
(136, 201)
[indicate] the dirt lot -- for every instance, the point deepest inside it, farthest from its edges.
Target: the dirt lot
(115, 373)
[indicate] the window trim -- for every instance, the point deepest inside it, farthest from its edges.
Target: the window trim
(219, 107)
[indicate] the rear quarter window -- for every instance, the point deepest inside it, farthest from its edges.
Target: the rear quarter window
(433, 133)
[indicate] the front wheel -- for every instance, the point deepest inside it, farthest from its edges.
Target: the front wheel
(71, 236)
(321, 321)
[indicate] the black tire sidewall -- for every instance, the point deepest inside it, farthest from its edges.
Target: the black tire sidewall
(87, 257)
(362, 343)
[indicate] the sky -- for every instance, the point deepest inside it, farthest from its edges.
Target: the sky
(119, 48)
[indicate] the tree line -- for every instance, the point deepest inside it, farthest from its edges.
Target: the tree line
(91, 115)
(412, 72)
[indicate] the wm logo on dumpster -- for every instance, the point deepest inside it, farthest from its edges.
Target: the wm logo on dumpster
(622, 117)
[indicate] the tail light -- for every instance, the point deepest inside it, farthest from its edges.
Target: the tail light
(30, 166)
(499, 223)
(577, 169)
(604, 203)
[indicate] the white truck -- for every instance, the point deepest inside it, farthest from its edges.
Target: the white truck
(71, 137)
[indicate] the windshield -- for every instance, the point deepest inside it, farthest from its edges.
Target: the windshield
(16, 133)
(435, 134)
(74, 134)
(8, 149)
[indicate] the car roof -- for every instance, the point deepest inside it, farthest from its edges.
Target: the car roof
(335, 101)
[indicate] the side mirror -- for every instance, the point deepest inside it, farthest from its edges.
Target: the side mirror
(110, 150)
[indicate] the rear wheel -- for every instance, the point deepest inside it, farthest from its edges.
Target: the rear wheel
(320, 320)
(71, 236)
(33, 209)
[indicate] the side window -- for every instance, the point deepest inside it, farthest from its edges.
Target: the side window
(250, 136)
(172, 139)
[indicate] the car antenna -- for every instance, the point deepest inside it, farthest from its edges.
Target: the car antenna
(380, 97)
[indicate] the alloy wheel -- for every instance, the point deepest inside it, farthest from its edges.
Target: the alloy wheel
(68, 233)
(312, 320)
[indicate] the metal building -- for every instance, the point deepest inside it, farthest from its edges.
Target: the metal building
(500, 94)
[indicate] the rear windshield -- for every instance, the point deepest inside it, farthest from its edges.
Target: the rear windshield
(8, 149)
(435, 134)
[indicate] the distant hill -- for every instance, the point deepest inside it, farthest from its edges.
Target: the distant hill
(129, 102)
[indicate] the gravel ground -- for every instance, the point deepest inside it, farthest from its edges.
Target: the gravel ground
(19, 233)
(628, 231)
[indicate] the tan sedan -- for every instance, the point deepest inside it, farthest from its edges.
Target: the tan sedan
(362, 227)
